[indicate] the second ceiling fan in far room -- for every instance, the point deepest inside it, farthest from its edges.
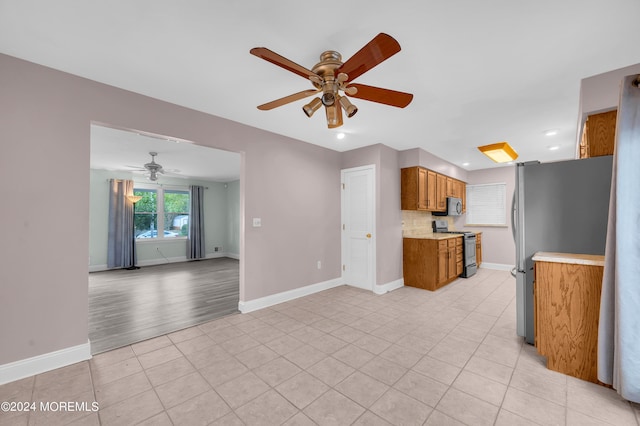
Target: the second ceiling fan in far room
(331, 76)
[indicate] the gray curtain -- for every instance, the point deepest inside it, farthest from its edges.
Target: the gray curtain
(619, 327)
(121, 243)
(195, 239)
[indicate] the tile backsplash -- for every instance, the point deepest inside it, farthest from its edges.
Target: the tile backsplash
(417, 222)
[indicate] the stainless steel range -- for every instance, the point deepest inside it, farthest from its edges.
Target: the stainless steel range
(469, 247)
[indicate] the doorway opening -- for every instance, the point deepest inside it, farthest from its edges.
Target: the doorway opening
(168, 293)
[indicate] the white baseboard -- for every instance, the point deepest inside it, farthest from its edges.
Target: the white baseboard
(496, 266)
(45, 362)
(162, 261)
(285, 296)
(385, 288)
(98, 268)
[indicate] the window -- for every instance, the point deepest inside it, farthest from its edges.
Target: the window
(160, 208)
(487, 204)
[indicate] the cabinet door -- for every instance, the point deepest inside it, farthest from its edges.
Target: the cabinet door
(464, 197)
(450, 189)
(443, 262)
(459, 256)
(601, 133)
(431, 191)
(451, 262)
(478, 250)
(441, 193)
(422, 189)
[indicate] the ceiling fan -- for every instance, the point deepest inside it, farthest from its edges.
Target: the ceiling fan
(331, 76)
(152, 168)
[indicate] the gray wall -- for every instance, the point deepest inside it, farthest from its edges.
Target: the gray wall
(497, 242)
(388, 213)
(45, 117)
(233, 219)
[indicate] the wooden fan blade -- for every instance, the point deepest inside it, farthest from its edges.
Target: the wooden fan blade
(281, 61)
(287, 99)
(381, 48)
(382, 96)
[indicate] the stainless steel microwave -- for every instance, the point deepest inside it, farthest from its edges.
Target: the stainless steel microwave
(454, 208)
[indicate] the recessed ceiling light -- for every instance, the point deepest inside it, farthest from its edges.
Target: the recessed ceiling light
(551, 132)
(340, 135)
(465, 164)
(553, 148)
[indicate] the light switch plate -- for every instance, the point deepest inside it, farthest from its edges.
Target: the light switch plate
(257, 222)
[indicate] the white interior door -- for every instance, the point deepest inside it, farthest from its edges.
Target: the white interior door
(358, 226)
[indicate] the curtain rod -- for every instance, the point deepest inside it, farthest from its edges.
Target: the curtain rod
(160, 184)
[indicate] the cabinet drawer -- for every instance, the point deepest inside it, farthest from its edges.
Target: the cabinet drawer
(458, 242)
(459, 257)
(451, 242)
(442, 245)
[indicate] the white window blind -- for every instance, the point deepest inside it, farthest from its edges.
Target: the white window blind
(487, 204)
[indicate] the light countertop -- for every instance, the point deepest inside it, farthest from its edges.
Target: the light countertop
(431, 236)
(577, 259)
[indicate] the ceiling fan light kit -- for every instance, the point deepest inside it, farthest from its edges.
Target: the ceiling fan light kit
(331, 76)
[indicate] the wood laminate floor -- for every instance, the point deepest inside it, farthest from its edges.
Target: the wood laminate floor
(130, 306)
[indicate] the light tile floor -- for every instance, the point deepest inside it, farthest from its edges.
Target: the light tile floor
(342, 356)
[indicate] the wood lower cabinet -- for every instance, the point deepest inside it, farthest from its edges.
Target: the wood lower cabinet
(566, 315)
(430, 263)
(478, 249)
(459, 256)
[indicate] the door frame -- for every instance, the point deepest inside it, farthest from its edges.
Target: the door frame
(344, 217)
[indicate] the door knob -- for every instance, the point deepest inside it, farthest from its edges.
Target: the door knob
(368, 235)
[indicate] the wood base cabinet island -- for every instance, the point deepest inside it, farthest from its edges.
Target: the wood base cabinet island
(430, 263)
(566, 300)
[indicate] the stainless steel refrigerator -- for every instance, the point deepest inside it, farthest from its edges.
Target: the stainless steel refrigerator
(557, 207)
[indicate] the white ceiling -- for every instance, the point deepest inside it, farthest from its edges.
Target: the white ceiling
(119, 150)
(480, 72)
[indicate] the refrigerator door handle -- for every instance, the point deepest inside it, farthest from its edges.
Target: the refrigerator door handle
(513, 216)
(513, 229)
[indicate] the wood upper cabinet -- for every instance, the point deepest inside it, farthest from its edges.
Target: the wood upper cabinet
(431, 190)
(430, 264)
(460, 191)
(413, 181)
(450, 189)
(599, 135)
(426, 190)
(441, 193)
(418, 189)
